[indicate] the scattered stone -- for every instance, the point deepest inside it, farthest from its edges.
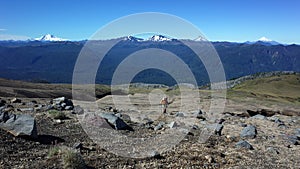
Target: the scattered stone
(62, 103)
(38, 107)
(291, 139)
(2, 103)
(220, 121)
(217, 128)
(297, 133)
(124, 117)
(243, 144)
(18, 125)
(159, 126)
(252, 113)
(68, 108)
(209, 158)
(199, 112)
(27, 109)
(58, 121)
(272, 150)
(34, 101)
(249, 132)
(78, 110)
(201, 117)
(195, 127)
(78, 145)
(155, 154)
(16, 100)
(179, 114)
(259, 116)
(115, 121)
(282, 125)
(243, 125)
(173, 124)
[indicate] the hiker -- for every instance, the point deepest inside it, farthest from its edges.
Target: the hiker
(164, 103)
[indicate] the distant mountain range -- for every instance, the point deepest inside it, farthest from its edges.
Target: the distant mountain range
(52, 38)
(52, 59)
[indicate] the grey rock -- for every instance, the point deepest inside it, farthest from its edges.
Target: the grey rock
(117, 122)
(179, 114)
(16, 100)
(2, 102)
(155, 154)
(217, 128)
(68, 107)
(38, 107)
(297, 133)
(159, 126)
(18, 125)
(30, 109)
(77, 110)
(96, 121)
(243, 144)
(124, 117)
(34, 101)
(59, 100)
(259, 116)
(195, 127)
(198, 113)
(220, 121)
(249, 132)
(272, 150)
(78, 145)
(62, 103)
(291, 139)
(243, 125)
(173, 124)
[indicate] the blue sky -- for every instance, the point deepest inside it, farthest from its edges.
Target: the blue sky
(218, 20)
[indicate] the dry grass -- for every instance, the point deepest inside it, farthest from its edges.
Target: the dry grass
(281, 88)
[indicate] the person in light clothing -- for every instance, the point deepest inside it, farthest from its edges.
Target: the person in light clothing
(164, 103)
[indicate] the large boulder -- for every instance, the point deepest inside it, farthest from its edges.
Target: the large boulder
(18, 125)
(92, 120)
(249, 132)
(115, 121)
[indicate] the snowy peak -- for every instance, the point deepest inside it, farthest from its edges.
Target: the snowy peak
(133, 39)
(200, 39)
(49, 37)
(264, 39)
(159, 38)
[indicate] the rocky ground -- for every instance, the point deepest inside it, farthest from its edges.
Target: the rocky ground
(242, 135)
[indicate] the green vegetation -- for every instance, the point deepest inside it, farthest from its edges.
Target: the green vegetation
(282, 88)
(55, 114)
(72, 160)
(54, 151)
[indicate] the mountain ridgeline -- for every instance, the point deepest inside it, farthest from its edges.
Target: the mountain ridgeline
(54, 61)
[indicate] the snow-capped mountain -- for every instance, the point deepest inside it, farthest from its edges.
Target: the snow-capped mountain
(264, 41)
(133, 39)
(159, 38)
(49, 37)
(200, 38)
